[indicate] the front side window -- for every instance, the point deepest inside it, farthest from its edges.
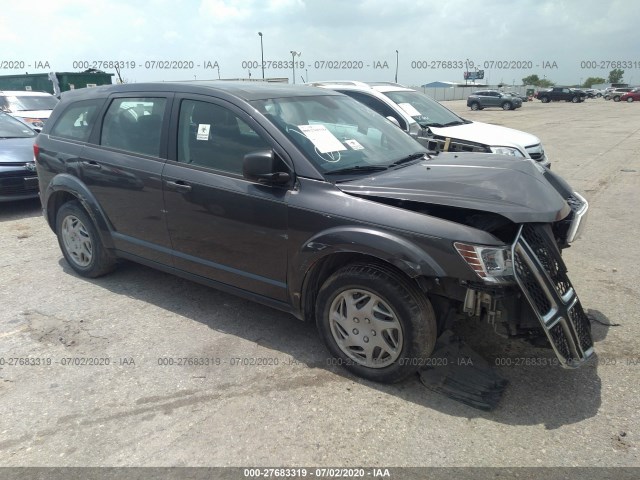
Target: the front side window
(214, 137)
(77, 121)
(134, 125)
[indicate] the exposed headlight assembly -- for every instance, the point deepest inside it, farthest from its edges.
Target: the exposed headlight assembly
(514, 152)
(492, 264)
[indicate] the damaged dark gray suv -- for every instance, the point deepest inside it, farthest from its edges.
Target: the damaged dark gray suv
(307, 201)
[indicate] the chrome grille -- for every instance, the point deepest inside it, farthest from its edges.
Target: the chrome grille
(542, 277)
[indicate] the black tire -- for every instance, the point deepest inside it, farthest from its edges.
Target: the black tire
(630, 99)
(80, 243)
(506, 106)
(475, 106)
(410, 323)
(575, 99)
(616, 98)
(599, 95)
(544, 99)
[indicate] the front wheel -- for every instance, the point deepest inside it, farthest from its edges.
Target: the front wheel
(506, 106)
(630, 99)
(375, 322)
(575, 99)
(80, 243)
(616, 99)
(475, 106)
(544, 99)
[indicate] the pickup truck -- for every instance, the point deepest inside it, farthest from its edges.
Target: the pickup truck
(561, 93)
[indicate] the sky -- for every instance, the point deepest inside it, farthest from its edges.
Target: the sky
(565, 41)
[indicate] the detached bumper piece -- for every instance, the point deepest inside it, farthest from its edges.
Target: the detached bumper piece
(542, 277)
(458, 372)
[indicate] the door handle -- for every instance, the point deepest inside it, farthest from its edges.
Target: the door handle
(178, 186)
(91, 164)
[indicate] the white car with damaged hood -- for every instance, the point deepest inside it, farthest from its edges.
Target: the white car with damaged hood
(437, 127)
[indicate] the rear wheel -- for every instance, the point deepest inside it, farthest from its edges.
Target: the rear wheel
(506, 106)
(375, 322)
(475, 106)
(80, 243)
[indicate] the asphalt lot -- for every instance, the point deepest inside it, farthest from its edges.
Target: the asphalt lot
(297, 409)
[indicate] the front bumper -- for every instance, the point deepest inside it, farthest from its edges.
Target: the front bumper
(17, 183)
(542, 276)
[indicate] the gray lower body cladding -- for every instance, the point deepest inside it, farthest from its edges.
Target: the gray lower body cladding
(542, 277)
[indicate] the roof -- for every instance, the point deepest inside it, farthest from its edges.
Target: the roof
(247, 91)
(355, 85)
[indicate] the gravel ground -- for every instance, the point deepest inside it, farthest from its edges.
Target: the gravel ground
(296, 409)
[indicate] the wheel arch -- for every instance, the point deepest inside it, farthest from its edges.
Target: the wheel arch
(66, 188)
(326, 252)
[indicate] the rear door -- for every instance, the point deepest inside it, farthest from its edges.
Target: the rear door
(122, 165)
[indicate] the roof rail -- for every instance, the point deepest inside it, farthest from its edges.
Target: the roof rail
(339, 82)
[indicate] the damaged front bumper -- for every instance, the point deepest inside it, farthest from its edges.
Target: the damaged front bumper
(542, 276)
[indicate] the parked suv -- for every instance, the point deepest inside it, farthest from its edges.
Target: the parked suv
(616, 94)
(437, 127)
(31, 107)
(307, 201)
(493, 98)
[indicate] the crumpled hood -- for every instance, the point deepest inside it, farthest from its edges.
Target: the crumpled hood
(510, 187)
(13, 150)
(487, 134)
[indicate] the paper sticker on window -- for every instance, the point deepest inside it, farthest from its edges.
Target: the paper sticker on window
(354, 144)
(203, 131)
(409, 109)
(322, 138)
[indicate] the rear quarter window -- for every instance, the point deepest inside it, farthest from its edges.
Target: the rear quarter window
(77, 121)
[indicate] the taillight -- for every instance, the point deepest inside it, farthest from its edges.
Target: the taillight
(36, 151)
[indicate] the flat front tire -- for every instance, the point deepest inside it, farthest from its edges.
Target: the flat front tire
(375, 322)
(80, 243)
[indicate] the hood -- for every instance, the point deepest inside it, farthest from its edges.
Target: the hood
(16, 150)
(514, 189)
(487, 134)
(41, 114)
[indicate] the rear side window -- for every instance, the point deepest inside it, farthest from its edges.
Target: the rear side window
(77, 121)
(134, 125)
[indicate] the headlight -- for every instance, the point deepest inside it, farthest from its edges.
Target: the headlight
(492, 264)
(514, 152)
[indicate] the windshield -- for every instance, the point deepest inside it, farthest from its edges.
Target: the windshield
(337, 133)
(31, 102)
(424, 110)
(12, 128)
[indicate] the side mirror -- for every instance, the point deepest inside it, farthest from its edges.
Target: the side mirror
(394, 120)
(264, 167)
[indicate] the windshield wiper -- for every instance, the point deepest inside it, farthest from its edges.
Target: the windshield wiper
(357, 169)
(455, 122)
(413, 156)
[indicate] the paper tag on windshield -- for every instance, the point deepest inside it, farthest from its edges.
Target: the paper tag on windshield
(354, 144)
(203, 131)
(409, 109)
(322, 138)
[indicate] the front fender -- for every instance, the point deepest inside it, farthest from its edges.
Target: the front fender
(59, 189)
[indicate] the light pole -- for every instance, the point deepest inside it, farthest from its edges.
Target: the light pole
(293, 63)
(396, 66)
(261, 54)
